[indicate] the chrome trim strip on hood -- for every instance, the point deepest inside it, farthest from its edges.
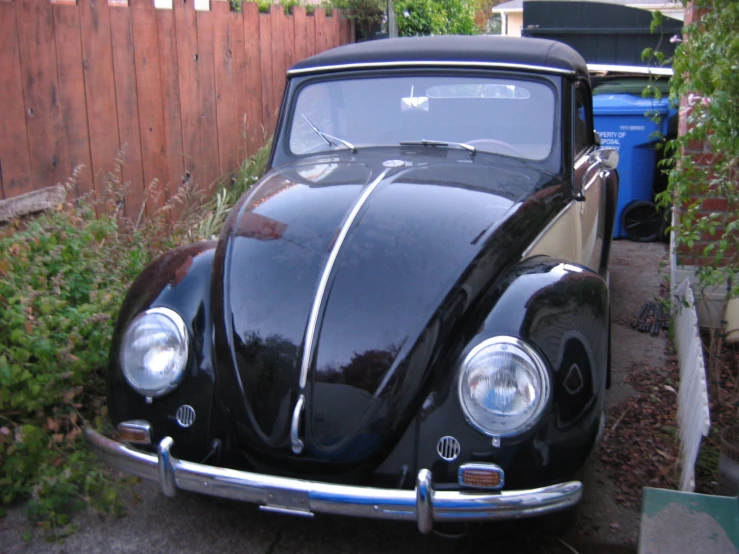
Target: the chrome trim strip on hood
(310, 331)
(465, 64)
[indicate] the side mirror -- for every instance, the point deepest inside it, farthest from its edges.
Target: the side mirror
(599, 160)
(607, 158)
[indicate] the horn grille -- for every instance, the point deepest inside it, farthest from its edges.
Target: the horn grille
(185, 416)
(448, 448)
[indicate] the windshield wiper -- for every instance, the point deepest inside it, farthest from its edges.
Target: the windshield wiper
(471, 149)
(330, 139)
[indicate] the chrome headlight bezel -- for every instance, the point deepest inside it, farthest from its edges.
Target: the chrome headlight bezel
(184, 341)
(541, 371)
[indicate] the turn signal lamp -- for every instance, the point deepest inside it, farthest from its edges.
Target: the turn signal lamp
(481, 476)
(135, 432)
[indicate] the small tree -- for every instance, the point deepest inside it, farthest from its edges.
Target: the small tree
(436, 17)
(704, 158)
(366, 14)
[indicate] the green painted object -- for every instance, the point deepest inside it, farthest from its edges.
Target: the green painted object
(677, 522)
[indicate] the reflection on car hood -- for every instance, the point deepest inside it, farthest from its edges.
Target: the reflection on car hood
(418, 252)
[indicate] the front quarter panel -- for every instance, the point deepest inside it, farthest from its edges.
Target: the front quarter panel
(179, 280)
(560, 309)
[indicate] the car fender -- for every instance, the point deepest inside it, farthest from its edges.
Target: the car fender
(560, 309)
(179, 280)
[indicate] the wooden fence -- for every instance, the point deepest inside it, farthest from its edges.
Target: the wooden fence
(186, 92)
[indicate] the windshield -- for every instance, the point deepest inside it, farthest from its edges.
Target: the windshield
(514, 117)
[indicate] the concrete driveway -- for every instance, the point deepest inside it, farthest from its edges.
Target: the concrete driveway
(195, 524)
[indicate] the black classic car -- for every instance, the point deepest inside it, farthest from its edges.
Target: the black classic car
(407, 318)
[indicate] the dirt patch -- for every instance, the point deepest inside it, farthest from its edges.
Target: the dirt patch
(723, 394)
(640, 447)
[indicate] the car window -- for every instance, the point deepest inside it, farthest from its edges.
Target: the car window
(583, 125)
(513, 117)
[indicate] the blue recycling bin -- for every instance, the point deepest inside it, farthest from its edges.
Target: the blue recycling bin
(622, 123)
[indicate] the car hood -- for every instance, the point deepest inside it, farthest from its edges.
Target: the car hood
(423, 245)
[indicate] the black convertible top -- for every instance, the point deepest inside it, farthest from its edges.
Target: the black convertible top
(450, 50)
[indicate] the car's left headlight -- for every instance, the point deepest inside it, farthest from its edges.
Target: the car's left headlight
(503, 386)
(153, 352)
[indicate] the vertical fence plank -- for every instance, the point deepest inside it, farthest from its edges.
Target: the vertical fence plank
(97, 61)
(149, 93)
(127, 107)
(320, 17)
(335, 29)
(277, 15)
(208, 148)
(15, 160)
(299, 48)
(253, 84)
(41, 90)
(72, 93)
(265, 51)
(187, 59)
(310, 35)
(230, 69)
(330, 27)
(345, 31)
(290, 58)
(331, 35)
(172, 107)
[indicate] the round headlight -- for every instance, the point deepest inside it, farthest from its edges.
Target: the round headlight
(154, 352)
(503, 386)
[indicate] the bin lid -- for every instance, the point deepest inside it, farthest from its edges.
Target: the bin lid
(629, 85)
(628, 104)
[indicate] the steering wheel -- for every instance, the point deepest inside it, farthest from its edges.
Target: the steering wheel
(495, 146)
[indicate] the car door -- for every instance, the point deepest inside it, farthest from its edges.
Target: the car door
(589, 181)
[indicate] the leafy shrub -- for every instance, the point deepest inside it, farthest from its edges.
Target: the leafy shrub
(705, 75)
(62, 278)
(288, 5)
(367, 15)
(436, 17)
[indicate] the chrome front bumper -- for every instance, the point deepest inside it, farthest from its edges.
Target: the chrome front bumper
(423, 505)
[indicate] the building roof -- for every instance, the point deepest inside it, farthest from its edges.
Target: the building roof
(517, 5)
(449, 50)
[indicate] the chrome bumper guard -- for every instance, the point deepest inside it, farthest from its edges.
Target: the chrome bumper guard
(424, 505)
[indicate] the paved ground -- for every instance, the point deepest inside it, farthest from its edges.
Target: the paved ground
(194, 524)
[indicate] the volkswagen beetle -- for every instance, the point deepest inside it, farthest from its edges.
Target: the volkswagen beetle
(407, 317)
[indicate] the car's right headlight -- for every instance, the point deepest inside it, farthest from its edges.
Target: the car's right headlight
(154, 351)
(503, 386)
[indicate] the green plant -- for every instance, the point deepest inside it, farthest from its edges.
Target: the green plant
(209, 218)
(288, 5)
(703, 185)
(436, 17)
(62, 277)
(61, 280)
(703, 161)
(366, 14)
(263, 5)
